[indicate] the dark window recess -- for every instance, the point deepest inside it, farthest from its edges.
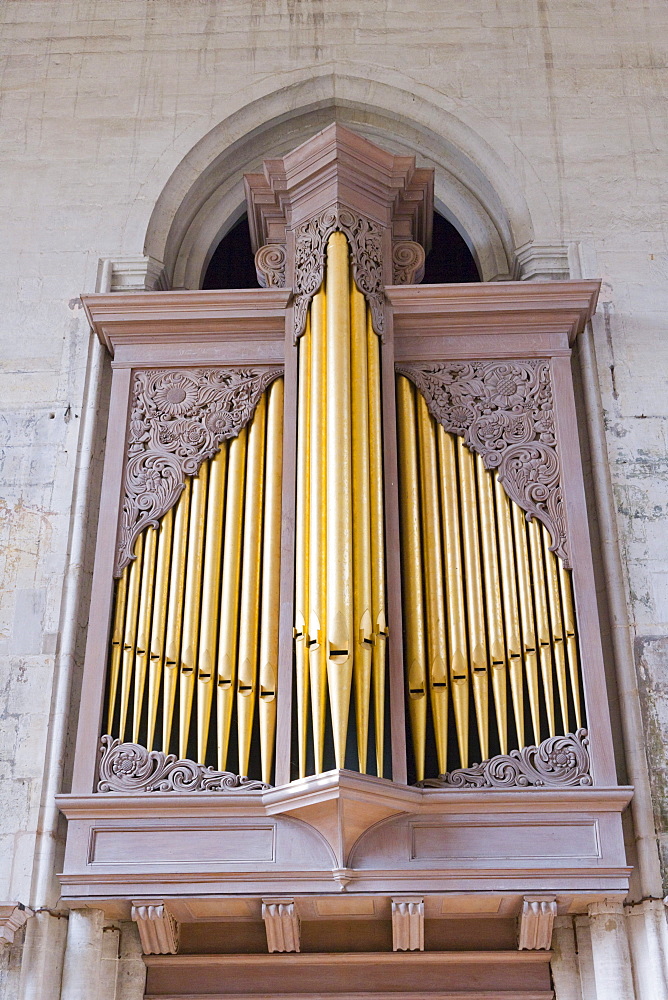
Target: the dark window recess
(233, 266)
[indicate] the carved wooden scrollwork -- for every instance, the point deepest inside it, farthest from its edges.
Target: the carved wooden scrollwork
(128, 767)
(408, 260)
(366, 242)
(504, 411)
(270, 265)
(558, 762)
(179, 418)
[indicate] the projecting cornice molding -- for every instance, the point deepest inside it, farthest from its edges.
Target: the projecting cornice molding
(12, 918)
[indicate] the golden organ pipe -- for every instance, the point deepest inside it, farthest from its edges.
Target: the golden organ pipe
(302, 544)
(144, 627)
(454, 588)
(433, 580)
(159, 620)
(271, 555)
(317, 528)
(229, 592)
(412, 570)
(474, 598)
(571, 639)
(339, 629)
(557, 625)
(177, 576)
(206, 654)
(361, 512)
(117, 644)
(493, 604)
(250, 585)
(130, 631)
(192, 603)
(510, 607)
(526, 615)
(543, 633)
(377, 540)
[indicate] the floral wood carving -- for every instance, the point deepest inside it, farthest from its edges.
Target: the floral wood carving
(128, 767)
(270, 265)
(504, 411)
(366, 242)
(559, 762)
(179, 418)
(408, 259)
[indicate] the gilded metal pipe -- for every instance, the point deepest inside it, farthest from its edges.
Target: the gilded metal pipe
(177, 578)
(411, 545)
(339, 626)
(229, 592)
(530, 653)
(361, 512)
(130, 631)
(117, 644)
(192, 603)
(271, 564)
(378, 612)
(206, 653)
(250, 584)
(474, 595)
(511, 619)
(317, 529)
(159, 621)
(437, 651)
(493, 603)
(302, 533)
(571, 639)
(543, 633)
(144, 627)
(454, 589)
(556, 625)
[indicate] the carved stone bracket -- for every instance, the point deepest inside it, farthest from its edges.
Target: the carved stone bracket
(536, 922)
(179, 418)
(504, 411)
(270, 265)
(558, 762)
(128, 767)
(12, 918)
(408, 924)
(366, 243)
(408, 258)
(281, 924)
(158, 930)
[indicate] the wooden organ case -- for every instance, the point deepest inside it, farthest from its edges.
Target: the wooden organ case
(344, 721)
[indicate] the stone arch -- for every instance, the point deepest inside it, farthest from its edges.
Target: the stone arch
(474, 186)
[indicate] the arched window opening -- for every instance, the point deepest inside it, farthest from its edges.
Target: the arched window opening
(449, 261)
(232, 264)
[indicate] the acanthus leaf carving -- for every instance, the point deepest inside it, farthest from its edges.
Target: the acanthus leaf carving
(366, 242)
(558, 762)
(270, 265)
(408, 260)
(178, 419)
(128, 767)
(504, 411)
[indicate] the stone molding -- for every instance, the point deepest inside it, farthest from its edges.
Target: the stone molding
(128, 767)
(281, 924)
(504, 411)
(558, 762)
(536, 923)
(12, 918)
(178, 418)
(158, 930)
(408, 260)
(408, 923)
(542, 262)
(130, 273)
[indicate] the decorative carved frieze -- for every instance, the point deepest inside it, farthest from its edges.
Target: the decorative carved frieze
(179, 418)
(558, 762)
(12, 918)
(270, 265)
(282, 925)
(536, 922)
(408, 259)
(128, 767)
(504, 411)
(408, 924)
(366, 245)
(158, 930)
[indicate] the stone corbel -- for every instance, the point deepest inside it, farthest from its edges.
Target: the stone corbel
(12, 917)
(282, 925)
(158, 930)
(408, 923)
(536, 923)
